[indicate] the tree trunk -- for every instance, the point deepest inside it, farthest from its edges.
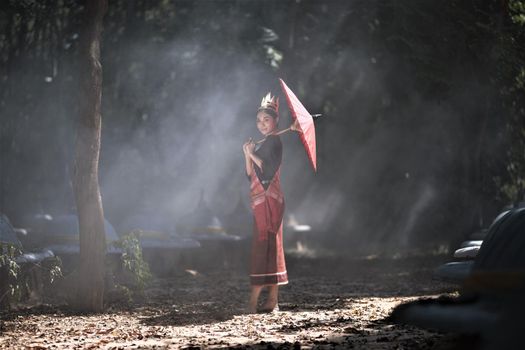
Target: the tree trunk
(85, 174)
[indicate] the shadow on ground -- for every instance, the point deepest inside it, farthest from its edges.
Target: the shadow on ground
(333, 302)
(315, 284)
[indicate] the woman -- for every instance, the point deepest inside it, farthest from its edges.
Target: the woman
(263, 163)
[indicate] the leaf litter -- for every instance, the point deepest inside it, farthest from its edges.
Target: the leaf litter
(329, 303)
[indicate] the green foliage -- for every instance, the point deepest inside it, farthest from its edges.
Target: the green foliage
(8, 252)
(513, 185)
(54, 269)
(274, 56)
(512, 73)
(133, 261)
(19, 280)
(517, 11)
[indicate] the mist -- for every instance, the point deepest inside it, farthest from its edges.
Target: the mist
(398, 152)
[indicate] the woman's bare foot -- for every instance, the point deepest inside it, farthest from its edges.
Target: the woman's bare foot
(250, 309)
(269, 308)
(254, 298)
(272, 304)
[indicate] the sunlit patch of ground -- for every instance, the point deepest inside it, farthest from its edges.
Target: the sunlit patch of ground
(329, 303)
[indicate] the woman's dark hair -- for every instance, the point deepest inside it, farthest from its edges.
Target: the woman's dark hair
(269, 111)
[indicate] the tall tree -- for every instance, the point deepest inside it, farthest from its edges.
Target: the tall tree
(87, 151)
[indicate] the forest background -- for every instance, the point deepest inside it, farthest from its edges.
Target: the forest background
(421, 140)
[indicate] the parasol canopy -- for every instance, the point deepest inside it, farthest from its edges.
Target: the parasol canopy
(305, 123)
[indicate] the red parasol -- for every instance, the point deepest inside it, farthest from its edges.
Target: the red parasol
(304, 123)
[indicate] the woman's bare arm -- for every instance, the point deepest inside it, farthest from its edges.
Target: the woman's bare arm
(258, 161)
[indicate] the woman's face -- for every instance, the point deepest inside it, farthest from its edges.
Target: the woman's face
(266, 123)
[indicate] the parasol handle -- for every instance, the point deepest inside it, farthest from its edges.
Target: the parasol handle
(293, 127)
(280, 132)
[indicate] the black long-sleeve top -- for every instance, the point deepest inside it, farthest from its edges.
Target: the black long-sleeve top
(271, 153)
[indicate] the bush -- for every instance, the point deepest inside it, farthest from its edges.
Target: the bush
(136, 272)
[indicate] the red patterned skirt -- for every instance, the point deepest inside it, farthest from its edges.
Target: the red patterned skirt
(267, 261)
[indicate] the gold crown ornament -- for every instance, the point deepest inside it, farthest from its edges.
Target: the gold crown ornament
(270, 102)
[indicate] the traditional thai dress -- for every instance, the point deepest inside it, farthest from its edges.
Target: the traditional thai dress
(267, 202)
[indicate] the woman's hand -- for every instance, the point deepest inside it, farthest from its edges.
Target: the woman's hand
(251, 146)
(248, 147)
(295, 126)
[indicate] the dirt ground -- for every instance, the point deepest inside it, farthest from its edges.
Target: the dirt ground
(330, 303)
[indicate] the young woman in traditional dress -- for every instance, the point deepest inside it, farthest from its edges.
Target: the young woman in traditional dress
(263, 161)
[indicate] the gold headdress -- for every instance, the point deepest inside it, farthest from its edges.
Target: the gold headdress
(270, 102)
